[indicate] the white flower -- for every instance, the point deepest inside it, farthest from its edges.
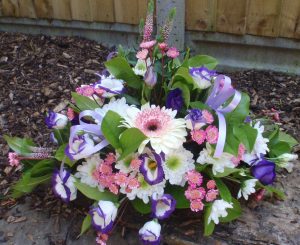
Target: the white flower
(285, 161)
(110, 85)
(162, 129)
(247, 188)
(218, 164)
(150, 233)
(141, 67)
(145, 191)
(176, 164)
(86, 170)
(218, 209)
(119, 106)
(124, 164)
(63, 185)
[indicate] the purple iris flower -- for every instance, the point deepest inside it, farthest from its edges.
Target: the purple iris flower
(103, 216)
(202, 76)
(150, 77)
(150, 233)
(175, 99)
(63, 185)
(264, 171)
(56, 120)
(163, 207)
(151, 168)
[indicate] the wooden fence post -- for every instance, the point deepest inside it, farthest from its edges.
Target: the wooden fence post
(178, 32)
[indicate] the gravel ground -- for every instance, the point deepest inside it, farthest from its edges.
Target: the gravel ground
(39, 72)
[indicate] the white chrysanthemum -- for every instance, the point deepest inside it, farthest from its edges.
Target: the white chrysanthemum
(145, 191)
(164, 132)
(176, 164)
(86, 170)
(218, 164)
(124, 164)
(247, 188)
(119, 106)
(218, 209)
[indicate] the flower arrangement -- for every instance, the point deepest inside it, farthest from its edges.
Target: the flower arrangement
(162, 130)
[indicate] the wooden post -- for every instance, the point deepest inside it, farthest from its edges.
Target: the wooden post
(178, 32)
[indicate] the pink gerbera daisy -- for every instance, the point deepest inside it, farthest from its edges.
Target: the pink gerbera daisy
(159, 125)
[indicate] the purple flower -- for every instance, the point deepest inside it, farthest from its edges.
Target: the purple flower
(150, 233)
(175, 99)
(163, 207)
(151, 168)
(202, 76)
(110, 85)
(103, 216)
(264, 171)
(56, 120)
(195, 119)
(53, 139)
(63, 185)
(150, 77)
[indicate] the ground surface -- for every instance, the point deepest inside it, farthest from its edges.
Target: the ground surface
(38, 73)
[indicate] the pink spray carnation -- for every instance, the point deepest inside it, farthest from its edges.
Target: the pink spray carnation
(198, 136)
(212, 134)
(110, 158)
(211, 184)
(193, 177)
(70, 114)
(209, 118)
(135, 164)
(211, 195)
(101, 238)
(196, 205)
(142, 54)
(147, 45)
(163, 46)
(173, 53)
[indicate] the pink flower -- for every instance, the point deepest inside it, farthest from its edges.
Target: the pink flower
(193, 177)
(212, 134)
(70, 114)
(110, 158)
(209, 118)
(173, 53)
(241, 152)
(196, 205)
(121, 179)
(104, 169)
(13, 159)
(211, 184)
(259, 195)
(99, 91)
(163, 46)
(85, 90)
(192, 194)
(198, 136)
(101, 238)
(148, 44)
(133, 183)
(142, 54)
(135, 164)
(211, 195)
(113, 188)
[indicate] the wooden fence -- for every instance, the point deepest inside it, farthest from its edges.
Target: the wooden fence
(274, 18)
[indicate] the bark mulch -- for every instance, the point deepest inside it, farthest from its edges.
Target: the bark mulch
(37, 73)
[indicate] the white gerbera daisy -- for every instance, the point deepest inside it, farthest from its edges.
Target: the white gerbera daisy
(145, 191)
(218, 209)
(176, 164)
(218, 164)
(86, 170)
(164, 132)
(247, 188)
(119, 106)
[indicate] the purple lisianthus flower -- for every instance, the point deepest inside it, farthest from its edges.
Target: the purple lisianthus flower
(264, 171)
(151, 168)
(103, 216)
(163, 207)
(195, 119)
(110, 85)
(56, 120)
(150, 77)
(175, 99)
(63, 185)
(150, 233)
(53, 139)
(202, 76)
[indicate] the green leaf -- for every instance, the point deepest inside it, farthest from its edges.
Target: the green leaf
(227, 171)
(86, 224)
(61, 156)
(43, 168)
(140, 206)
(94, 193)
(111, 129)
(232, 143)
(183, 76)
(178, 193)
(233, 213)
(200, 105)
(120, 68)
(239, 114)
(84, 103)
(203, 60)
(19, 145)
(246, 134)
(284, 137)
(130, 141)
(279, 148)
(223, 189)
(208, 227)
(131, 100)
(280, 194)
(62, 135)
(185, 92)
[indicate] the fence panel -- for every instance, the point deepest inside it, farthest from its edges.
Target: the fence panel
(26, 9)
(43, 9)
(290, 19)
(102, 10)
(10, 8)
(201, 15)
(231, 16)
(263, 17)
(126, 11)
(81, 10)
